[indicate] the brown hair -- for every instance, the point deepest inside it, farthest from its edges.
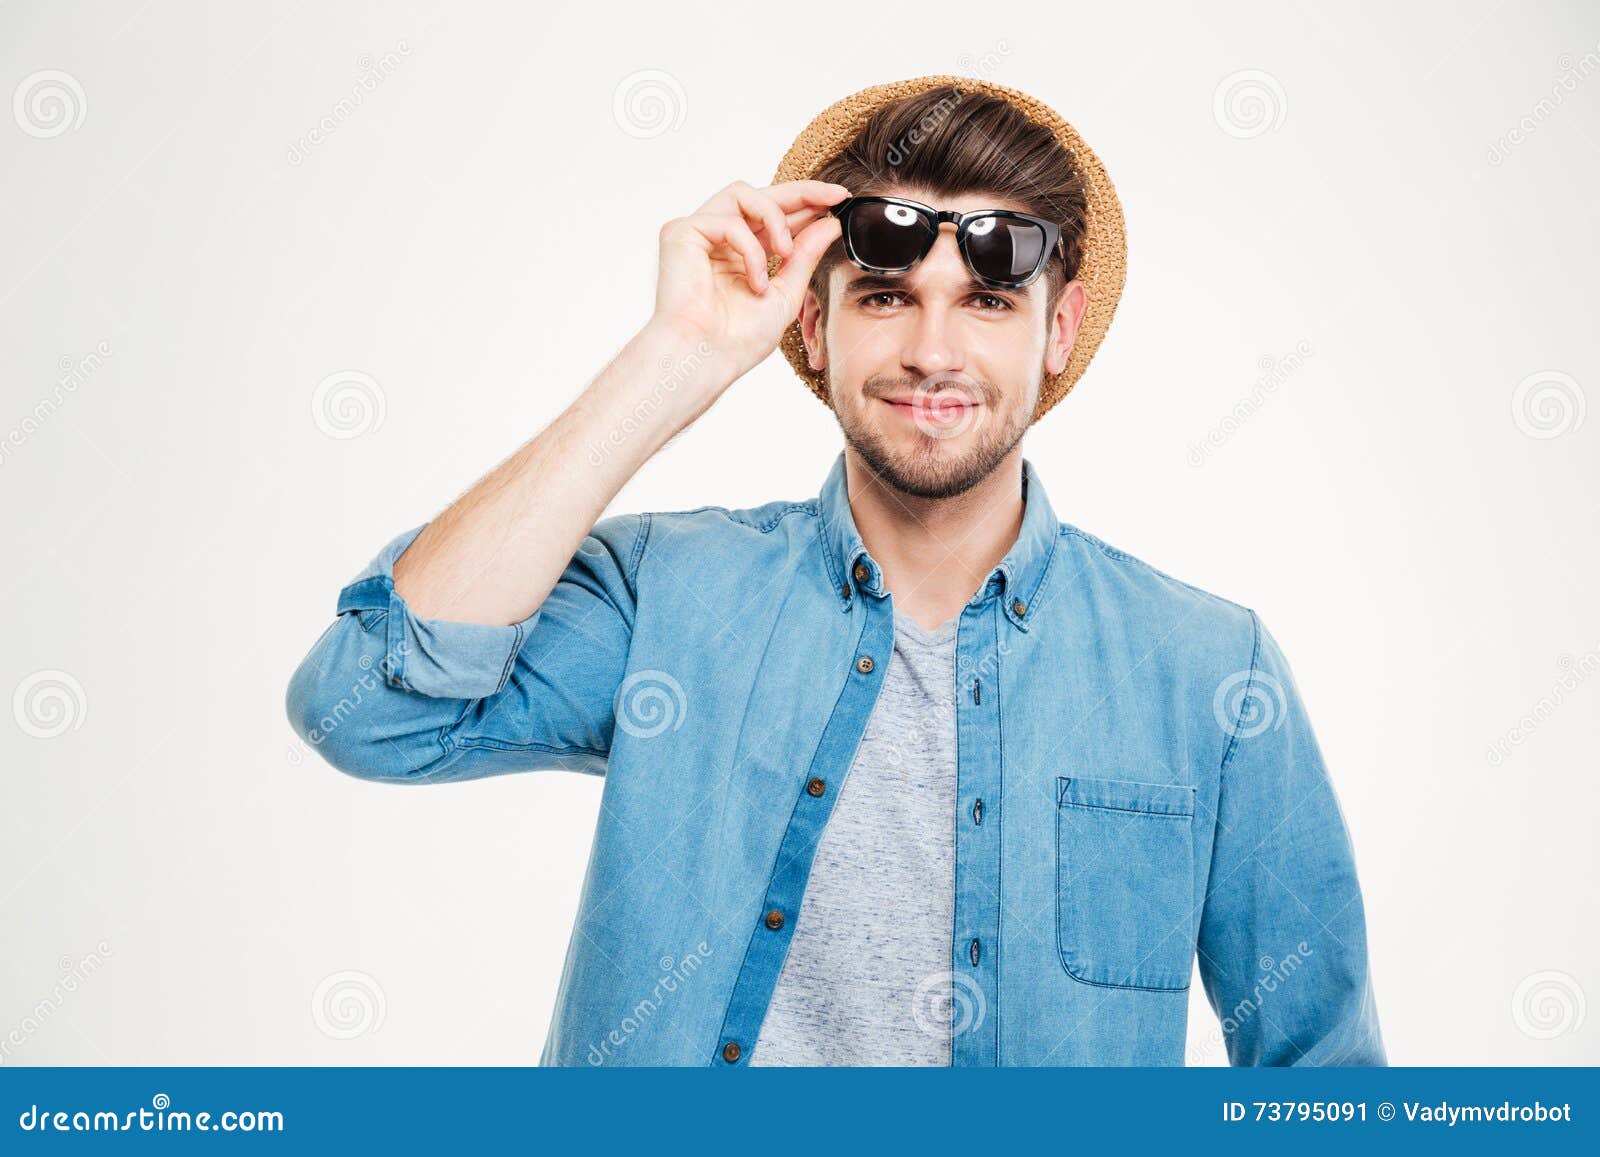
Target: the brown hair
(955, 142)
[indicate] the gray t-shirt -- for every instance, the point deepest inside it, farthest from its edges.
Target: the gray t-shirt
(867, 977)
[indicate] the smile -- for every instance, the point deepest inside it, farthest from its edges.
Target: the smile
(939, 411)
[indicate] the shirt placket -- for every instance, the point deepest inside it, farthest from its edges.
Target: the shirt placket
(974, 965)
(815, 794)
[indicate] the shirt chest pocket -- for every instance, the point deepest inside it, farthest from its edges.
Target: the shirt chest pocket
(1125, 882)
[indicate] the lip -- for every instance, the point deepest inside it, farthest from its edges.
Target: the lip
(938, 410)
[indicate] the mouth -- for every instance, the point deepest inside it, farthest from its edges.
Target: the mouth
(935, 410)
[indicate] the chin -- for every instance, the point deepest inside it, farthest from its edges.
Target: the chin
(929, 467)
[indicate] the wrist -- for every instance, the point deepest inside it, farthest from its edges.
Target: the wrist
(653, 389)
(682, 365)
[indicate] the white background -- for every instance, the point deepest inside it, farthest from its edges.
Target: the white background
(177, 529)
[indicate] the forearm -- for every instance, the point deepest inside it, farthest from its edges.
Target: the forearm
(495, 553)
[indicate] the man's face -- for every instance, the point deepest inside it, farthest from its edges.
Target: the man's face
(933, 377)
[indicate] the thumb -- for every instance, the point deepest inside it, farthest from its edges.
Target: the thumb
(809, 245)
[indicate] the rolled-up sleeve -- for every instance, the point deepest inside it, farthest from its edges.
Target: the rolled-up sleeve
(1282, 944)
(384, 694)
(437, 657)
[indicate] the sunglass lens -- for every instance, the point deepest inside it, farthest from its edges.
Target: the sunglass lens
(1004, 248)
(887, 236)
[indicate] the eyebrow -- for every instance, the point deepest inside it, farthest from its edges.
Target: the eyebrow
(877, 282)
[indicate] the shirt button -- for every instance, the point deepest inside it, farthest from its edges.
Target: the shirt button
(774, 919)
(972, 951)
(730, 1051)
(864, 664)
(1020, 607)
(816, 785)
(845, 590)
(861, 572)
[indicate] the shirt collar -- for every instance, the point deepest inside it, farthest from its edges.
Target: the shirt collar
(1016, 578)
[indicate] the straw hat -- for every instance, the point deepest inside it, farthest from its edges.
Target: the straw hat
(1105, 248)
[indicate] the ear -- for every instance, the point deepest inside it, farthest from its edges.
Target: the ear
(811, 331)
(1065, 318)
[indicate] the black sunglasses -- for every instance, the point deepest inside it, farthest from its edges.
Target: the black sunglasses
(1002, 248)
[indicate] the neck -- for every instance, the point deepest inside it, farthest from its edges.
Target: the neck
(936, 551)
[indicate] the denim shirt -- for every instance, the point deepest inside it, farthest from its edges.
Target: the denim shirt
(1138, 786)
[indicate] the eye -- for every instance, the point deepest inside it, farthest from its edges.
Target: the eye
(900, 214)
(872, 299)
(1000, 303)
(981, 226)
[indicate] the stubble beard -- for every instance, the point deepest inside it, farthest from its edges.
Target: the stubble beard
(927, 469)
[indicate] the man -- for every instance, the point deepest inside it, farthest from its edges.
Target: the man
(911, 772)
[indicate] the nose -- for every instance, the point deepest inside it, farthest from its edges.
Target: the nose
(934, 342)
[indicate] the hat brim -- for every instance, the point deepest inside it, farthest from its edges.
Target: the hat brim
(1105, 248)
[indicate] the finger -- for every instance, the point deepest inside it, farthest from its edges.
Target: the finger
(762, 212)
(796, 221)
(809, 246)
(791, 195)
(800, 218)
(723, 229)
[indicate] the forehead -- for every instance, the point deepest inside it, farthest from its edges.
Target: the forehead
(955, 202)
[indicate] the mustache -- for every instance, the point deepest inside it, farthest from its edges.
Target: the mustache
(933, 388)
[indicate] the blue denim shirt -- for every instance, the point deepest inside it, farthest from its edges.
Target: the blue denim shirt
(1138, 785)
